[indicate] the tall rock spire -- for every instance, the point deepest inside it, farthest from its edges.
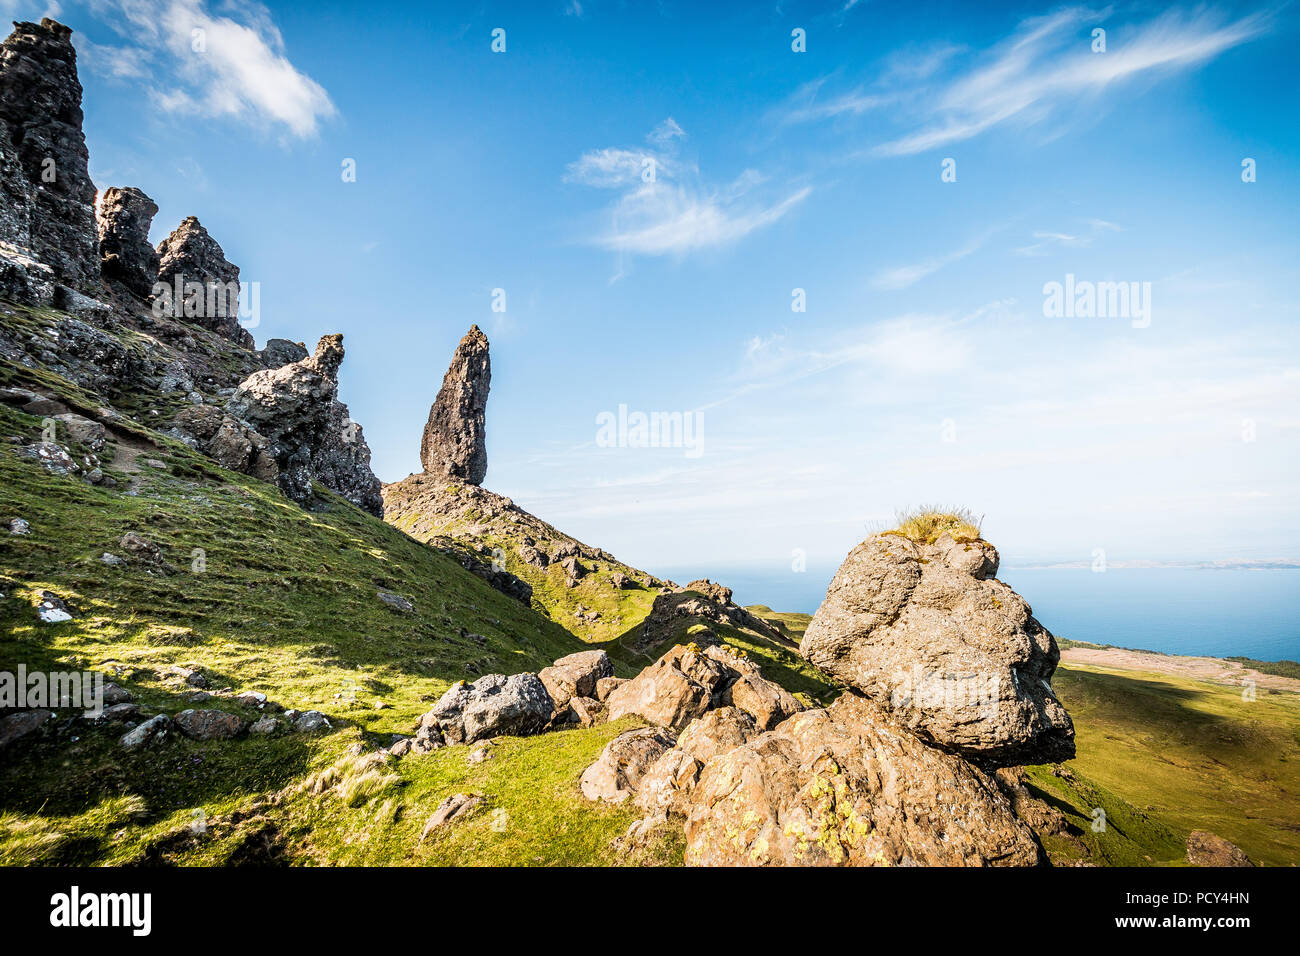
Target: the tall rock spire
(49, 199)
(455, 437)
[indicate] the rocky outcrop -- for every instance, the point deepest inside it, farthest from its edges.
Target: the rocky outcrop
(928, 632)
(616, 774)
(125, 253)
(226, 440)
(701, 600)
(848, 786)
(47, 199)
(202, 286)
(454, 443)
(311, 438)
(1209, 849)
(575, 676)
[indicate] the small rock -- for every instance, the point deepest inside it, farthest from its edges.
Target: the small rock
(209, 724)
(21, 724)
(395, 601)
(111, 560)
(457, 805)
(310, 722)
(264, 726)
(52, 609)
(479, 754)
(151, 731)
(19, 526)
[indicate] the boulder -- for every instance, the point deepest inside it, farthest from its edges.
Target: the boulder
(124, 216)
(928, 632)
(717, 732)
(607, 685)
(672, 691)
(493, 705)
(665, 788)
(617, 772)
(82, 430)
(455, 806)
(848, 785)
(454, 441)
(281, 352)
(1209, 849)
(575, 676)
(310, 722)
(209, 724)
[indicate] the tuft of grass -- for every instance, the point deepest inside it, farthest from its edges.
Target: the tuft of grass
(925, 525)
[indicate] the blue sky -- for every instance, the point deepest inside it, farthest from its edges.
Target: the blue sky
(923, 369)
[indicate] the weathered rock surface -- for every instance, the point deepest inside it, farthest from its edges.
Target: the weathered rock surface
(125, 253)
(296, 408)
(667, 785)
(191, 260)
(1209, 849)
(702, 600)
(455, 806)
(47, 199)
(493, 705)
(687, 682)
(154, 730)
(617, 772)
(575, 676)
(209, 724)
(454, 443)
(848, 786)
(18, 725)
(928, 632)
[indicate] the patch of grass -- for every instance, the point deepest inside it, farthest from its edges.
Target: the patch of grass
(925, 525)
(1190, 755)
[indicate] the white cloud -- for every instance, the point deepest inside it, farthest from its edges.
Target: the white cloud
(1048, 63)
(900, 277)
(231, 64)
(666, 207)
(1047, 242)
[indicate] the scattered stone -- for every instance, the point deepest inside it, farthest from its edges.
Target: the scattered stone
(395, 601)
(52, 609)
(52, 457)
(21, 724)
(1208, 849)
(19, 526)
(114, 694)
(154, 730)
(209, 724)
(479, 754)
(454, 442)
(615, 775)
(121, 713)
(264, 726)
(456, 806)
(311, 722)
(928, 632)
(111, 559)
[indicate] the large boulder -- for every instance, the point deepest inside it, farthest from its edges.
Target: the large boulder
(47, 199)
(689, 681)
(575, 676)
(666, 787)
(928, 632)
(125, 253)
(493, 705)
(199, 284)
(848, 786)
(311, 436)
(454, 442)
(617, 772)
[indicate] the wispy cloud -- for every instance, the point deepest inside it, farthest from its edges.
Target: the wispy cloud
(666, 207)
(231, 64)
(1048, 242)
(1048, 62)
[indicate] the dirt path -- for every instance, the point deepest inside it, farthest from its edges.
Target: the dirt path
(1200, 668)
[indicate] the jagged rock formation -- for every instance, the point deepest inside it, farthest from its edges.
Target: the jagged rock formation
(203, 284)
(928, 632)
(296, 408)
(125, 253)
(454, 443)
(47, 199)
(699, 601)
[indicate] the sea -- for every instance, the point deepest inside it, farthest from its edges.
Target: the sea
(1197, 611)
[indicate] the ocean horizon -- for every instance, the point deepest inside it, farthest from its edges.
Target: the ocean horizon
(1192, 611)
